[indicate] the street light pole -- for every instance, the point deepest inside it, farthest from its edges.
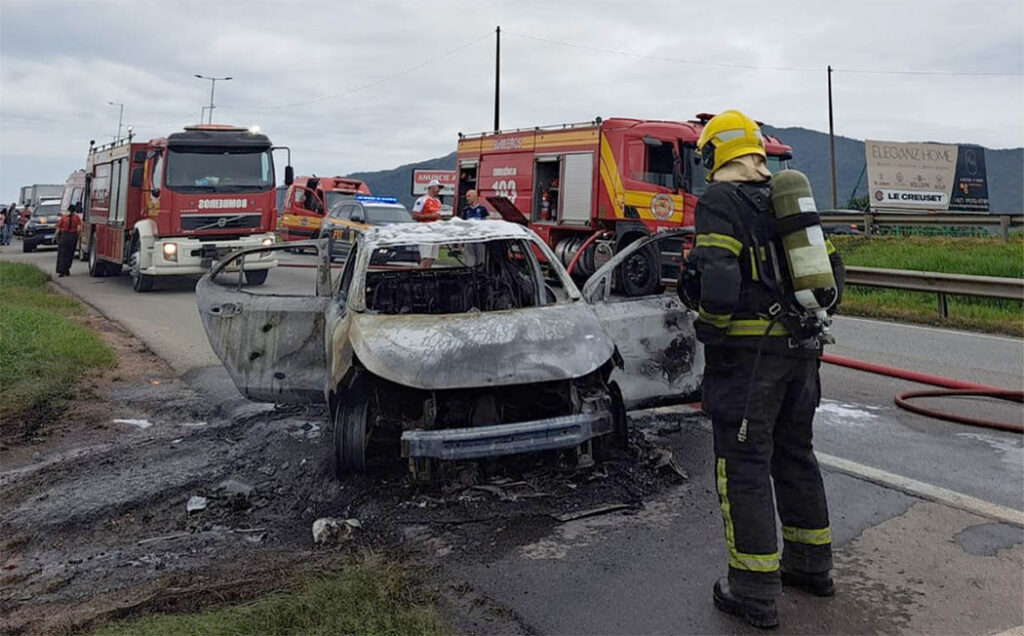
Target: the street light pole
(497, 75)
(120, 118)
(832, 143)
(213, 85)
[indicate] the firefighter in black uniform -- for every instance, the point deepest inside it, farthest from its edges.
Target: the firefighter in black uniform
(761, 386)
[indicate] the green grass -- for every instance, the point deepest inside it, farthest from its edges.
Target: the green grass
(43, 349)
(975, 256)
(371, 596)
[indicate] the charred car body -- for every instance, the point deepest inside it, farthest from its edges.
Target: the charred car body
(490, 351)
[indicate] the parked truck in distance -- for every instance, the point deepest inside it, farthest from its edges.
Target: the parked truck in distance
(176, 205)
(31, 194)
(595, 187)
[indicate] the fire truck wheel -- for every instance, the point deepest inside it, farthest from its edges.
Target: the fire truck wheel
(140, 281)
(256, 277)
(638, 275)
(97, 267)
(351, 425)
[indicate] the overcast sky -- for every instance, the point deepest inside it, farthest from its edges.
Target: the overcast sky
(338, 81)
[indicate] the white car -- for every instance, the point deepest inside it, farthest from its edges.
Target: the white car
(489, 350)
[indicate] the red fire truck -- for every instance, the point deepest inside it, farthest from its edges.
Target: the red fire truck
(604, 183)
(175, 205)
(308, 200)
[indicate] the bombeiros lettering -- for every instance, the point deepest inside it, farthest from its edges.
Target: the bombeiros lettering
(508, 143)
(222, 204)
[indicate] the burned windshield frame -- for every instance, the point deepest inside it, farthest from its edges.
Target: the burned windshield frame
(220, 164)
(517, 285)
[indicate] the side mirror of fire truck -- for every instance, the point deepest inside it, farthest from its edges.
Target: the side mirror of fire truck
(289, 175)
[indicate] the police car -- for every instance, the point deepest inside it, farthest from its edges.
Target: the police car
(348, 218)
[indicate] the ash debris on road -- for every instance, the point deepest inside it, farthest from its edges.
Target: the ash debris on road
(105, 529)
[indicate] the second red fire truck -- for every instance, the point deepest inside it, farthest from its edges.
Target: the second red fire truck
(620, 179)
(308, 200)
(175, 205)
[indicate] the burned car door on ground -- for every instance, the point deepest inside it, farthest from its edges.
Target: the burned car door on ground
(270, 339)
(662, 362)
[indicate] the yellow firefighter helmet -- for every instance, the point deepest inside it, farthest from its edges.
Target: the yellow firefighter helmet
(728, 135)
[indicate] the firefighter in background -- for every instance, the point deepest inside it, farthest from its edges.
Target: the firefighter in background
(427, 209)
(761, 386)
(68, 228)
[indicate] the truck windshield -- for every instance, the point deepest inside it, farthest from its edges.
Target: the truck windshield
(336, 197)
(219, 170)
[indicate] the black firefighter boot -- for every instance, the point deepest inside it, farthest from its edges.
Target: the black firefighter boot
(757, 612)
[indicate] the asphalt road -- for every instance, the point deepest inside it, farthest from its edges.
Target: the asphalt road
(910, 558)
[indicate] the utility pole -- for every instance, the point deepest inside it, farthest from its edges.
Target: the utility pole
(831, 141)
(213, 85)
(497, 74)
(120, 117)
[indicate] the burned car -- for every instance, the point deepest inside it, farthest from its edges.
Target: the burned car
(483, 348)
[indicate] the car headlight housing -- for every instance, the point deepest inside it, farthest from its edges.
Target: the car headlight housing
(267, 242)
(170, 251)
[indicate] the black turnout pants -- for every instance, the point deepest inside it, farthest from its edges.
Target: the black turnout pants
(66, 252)
(776, 446)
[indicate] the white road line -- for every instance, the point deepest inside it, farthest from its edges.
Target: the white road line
(923, 490)
(927, 328)
(881, 477)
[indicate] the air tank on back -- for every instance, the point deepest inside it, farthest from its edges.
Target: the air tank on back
(814, 286)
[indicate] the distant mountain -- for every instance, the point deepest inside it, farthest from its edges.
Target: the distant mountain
(397, 182)
(1005, 170)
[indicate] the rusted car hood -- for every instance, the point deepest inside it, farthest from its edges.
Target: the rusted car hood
(541, 344)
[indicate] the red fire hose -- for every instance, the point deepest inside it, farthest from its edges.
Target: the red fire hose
(953, 388)
(583, 248)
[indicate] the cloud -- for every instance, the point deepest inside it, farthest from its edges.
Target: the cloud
(61, 62)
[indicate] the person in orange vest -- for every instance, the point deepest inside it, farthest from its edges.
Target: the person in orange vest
(68, 228)
(427, 209)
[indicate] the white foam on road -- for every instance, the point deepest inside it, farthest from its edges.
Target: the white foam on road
(139, 423)
(840, 413)
(1010, 452)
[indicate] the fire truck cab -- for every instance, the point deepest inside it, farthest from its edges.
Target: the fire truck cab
(309, 199)
(595, 186)
(176, 205)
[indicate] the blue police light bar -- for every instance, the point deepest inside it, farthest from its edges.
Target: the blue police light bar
(372, 199)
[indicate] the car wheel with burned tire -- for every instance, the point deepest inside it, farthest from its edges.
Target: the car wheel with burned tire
(353, 420)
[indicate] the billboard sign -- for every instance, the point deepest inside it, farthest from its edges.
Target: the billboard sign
(926, 177)
(420, 179)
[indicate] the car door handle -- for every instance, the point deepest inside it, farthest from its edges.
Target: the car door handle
(227, 310)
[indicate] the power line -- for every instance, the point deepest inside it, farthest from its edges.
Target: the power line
(370, 84)
(753, 67)
(663, 58)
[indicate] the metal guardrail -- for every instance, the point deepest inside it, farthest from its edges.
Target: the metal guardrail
(937, 282)
(869, 220)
